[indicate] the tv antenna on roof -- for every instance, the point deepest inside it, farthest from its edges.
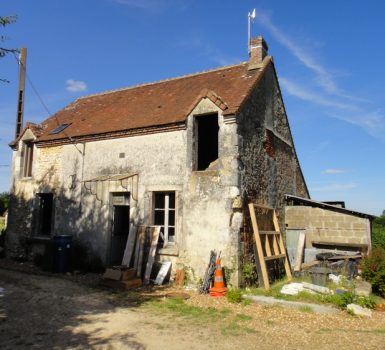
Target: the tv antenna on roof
(250, 19)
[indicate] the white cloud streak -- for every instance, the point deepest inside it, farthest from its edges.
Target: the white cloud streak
(334, 171)
(325, 92)
(335, 187)
(75, 85)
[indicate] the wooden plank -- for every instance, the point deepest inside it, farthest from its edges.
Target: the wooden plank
(269, 232)
(299, 253)
(281, 245)
(151, 256)
(137, 245)
(261, 260)
(276, 249)
(112, 274)
(166, 265)
(129, 246)
(273, 257)
(141, 237)
(267, 246)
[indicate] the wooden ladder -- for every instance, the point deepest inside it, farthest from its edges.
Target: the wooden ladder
(269, 242)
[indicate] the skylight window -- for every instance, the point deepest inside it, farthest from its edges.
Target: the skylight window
(59, 129)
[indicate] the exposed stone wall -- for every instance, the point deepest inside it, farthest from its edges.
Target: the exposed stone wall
(268, 163)
(205, 218)
(323, 225)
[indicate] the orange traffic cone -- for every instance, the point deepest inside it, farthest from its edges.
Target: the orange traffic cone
(219, 289)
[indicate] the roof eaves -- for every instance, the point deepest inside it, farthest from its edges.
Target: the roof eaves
(329, 206)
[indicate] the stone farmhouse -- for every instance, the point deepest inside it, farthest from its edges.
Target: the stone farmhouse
(186, 153)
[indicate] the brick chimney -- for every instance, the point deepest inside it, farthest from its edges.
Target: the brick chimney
(258, 51)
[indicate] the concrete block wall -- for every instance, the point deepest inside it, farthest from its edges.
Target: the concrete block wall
(324, 225)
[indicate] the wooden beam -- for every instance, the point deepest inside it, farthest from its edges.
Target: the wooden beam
(151, 255)
(129, 246)
(261, 260)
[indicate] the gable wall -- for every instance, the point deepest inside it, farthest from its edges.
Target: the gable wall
(268, 163)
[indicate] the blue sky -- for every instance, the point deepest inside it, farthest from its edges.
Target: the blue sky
(329, 57)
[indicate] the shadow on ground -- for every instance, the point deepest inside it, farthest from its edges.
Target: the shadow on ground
(41, 311)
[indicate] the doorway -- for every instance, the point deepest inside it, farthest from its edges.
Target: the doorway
(120, 226)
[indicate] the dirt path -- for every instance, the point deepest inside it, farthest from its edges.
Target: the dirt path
(45, 312)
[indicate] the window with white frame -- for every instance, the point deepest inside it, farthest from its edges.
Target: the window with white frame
(164, 216)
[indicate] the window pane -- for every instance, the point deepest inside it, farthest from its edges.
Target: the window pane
(171, 234)
(171, 200)
(159, 217)
(159, 200)
(171, 217)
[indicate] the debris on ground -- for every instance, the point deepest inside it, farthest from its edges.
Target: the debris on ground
(359, 310)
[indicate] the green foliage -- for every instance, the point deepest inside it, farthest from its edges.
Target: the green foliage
(378, 232)
(368, 302)
(373, 270)
(227, 273)
(234, 296)
(340, 300)
(2, 225)
(4, 202)
(4, 21)
(249, 273)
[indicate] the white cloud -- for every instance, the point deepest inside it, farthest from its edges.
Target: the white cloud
(324, 90)
(306, 94)
(334, 171)
(323, 76)
(334, 187)
(75, 85)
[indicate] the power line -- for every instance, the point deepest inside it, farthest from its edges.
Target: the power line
(45, 106)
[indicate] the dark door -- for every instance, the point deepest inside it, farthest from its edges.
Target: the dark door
(119, 234)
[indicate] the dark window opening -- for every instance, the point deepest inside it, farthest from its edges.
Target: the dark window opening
(45, 213)
(27, 159)
(207, 139)
(164, 216)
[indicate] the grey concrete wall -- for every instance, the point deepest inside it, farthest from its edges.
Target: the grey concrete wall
(324, 225)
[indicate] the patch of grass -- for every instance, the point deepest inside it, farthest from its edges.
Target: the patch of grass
(305, 308)
(234, 295)
(365, 331)
(246, 302)
(243, 317)
(231, 325)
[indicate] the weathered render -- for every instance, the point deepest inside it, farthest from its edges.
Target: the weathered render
(194, 149)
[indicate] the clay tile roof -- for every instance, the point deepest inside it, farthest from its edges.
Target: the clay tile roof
(156, 104)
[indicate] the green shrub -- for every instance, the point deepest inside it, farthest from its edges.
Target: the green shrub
(373, 270)
(367, 302)
(249, 273)
(340, 300)
(234, 296)
(378, 235)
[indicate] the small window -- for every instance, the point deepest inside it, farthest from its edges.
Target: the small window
(27, 159)
(207, 140)
(164, 216)
(59, 129)
(45, 211)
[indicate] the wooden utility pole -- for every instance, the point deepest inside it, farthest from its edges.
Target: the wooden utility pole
(20, 99)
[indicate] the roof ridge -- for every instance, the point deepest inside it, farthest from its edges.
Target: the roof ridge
(160, 81)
